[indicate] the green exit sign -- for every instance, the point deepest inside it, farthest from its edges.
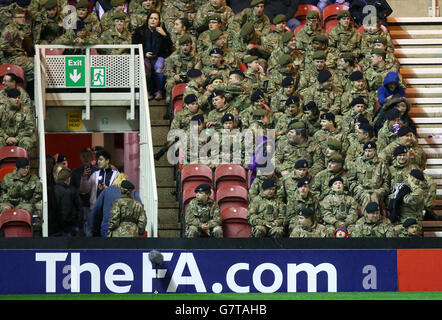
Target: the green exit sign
(75, 71)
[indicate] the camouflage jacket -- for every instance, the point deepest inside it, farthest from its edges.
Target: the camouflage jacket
(338, 208)
(326, 100)
(266, 211)
(294, 205)
(320, 182)
(174, 11)
(304, 38)
(16, 122)
(12, 40)
(261, 24)
(17, 189)
(385, 136)
(198, 213)
(256, 187)
(113, 36)
(288, 153)
(182, 119)
(178, 64)
(107, 21)
(315, 231)
(363, 228)
(342, 40)
(200, 22)
(416, 155)
(127, 218)
(297, 58)
(370, 100)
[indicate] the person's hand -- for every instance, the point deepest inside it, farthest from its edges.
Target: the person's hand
(102, 186)
(161, 31)
(11, 141)
(214, 72)
(284, 172)
(149, 55)
(79, 41)
(210, 123)
(86, 171)
(177, 77)
(205, 226)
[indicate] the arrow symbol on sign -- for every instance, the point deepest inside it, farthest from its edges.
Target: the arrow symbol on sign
(75, 77)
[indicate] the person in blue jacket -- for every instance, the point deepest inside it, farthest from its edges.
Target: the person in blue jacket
(101, 210)
(390, 88)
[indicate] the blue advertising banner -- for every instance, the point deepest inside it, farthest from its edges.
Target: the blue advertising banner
(196, 271)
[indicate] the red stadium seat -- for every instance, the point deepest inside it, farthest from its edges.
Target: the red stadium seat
(189, 194)
(12, 68)
(16, 223)
(330, 12)
(232, 196)
(177, 105)
(330, 25)
(243, 67)
(298, 28)
(303, 9)
(54, 51)
(235, 224)
(4, 171)
(200, 173)
(230, 173)
(177, 97)
(9, 154)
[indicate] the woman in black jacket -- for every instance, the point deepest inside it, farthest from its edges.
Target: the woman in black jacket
(156, 47)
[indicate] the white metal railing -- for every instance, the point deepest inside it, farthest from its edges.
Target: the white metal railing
(147, 179)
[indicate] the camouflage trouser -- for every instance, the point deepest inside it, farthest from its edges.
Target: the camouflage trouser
(195, 232)
(26, 63)
(263, 232)
(26, 143)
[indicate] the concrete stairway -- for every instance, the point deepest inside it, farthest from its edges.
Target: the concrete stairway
(418, 46)
(168, 207)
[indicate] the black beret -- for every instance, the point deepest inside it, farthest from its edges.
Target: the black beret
(356, 75)
(190, 98)
(258, 94)
(372, 207)
(61, 158)
(324, 75)
(292, 100)
(417, 174)
(369, 145)
(361, 120)
(217, 51)
(193, 73)
(268, 183)
(217, 93)
(301, 164)
(357, 100)
(23, 3)
(306, 212)
(21, 163)
(392, 114)
(227, 117)
(409, 222)
(13, 93)
(198, 117)
(403, 131)
(334, 179)
(239, 72)
(309, 106)
(366, 127)
(287, 81)
(126, 184)
(327, 116)
(204, 187)
(80, 25)
(303, 181)
(400, 150)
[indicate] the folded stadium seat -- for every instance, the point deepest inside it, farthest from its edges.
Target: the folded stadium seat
(234, 222)
(12, 68)
(232, 196)
(4, 171)
(330, 25)
(199, 173)
(330, 12)
(16, 223)
(189, 194)
(298, 28)
(177, 97)
(230, 174)
(242, 67)
(9, 154)
(303, 9)
(54, 51)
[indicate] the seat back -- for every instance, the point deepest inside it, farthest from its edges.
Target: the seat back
(229, 173)
(235, 224)
(330, 12)
(12, 68)
(234, 213)
(303, 9)
(54, 51)
(200, 172)
(16, 223)
(178, 90)
(4, 171)
(9, 154)
(298, 28)
(232, 195)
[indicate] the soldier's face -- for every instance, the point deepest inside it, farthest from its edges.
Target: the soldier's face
(289, 89)
(312, 22)
(391, 123)
(254, 65)
(218, 102)
(119, 24)
(202, 196)
(317, 45)
(24, 171)
(326, 124)
(259, 103)
(319, 64)
(52, 12)
(292, 43)
(291, 134)
(15, 101)
(216, 3)
(402, 158)
(359, 108)
(413, 229)
(220, 42)
(258, 10)
(375, 59)
(407, 140)
(214, 25)
(301, 172)
(186, 47)
(294, 109)
(217, 82)
(228, 125)
(281, 26)
(193, 107)
(359, 84)
(178, 27)
(304, 190)
(147, 4)
(270, 192)
(342, 64)
(345, 22)
(82, 12)
(328, 84)
(305, 221)
(373, 216)
(120, 8)
(335, 166)
(361, 135)
(20, 19)
(338, 186)
(8, 83)
(370, 153)
(216, 59)
(380, 45)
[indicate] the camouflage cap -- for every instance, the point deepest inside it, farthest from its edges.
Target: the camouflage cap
(215, 34)
(342, 14)
(334, 179)
(126, 184)
(82, 4)
(246, 29)
(372, 207)
(334, 144)
(409, 222)
(312, 14)
(336, 158)
(249, 59)
(119, 16)
(215, 17)
(227, 117)
(320, 38)
(279, 18)
(50, 4)
(285, 59)
(400, 150)
(287, 36)
(116, 3)
(185, 39)
(255, 3)
(319, 55)
(306, 212)
(347, 55)
(268, 183)
(378, 51)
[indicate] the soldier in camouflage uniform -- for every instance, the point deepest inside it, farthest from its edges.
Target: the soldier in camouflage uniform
(256, 187)
(17, 125)
(292, 111)
(210, 8)
(258, 100)
(333, 147)
(195, 85)
(290, 181)
(320, 43)
(7, 12)
(178, 63)
(324, 93)
(357, 110)
(390, 59)
(338, 208)
(266, 212)
(254, 15)
(90, 19)
(335, 167)
(139, 11)
(206, 38)
(79, 36)
(118, 34)
(107, 19)
(299, 198)
(36, 7)
(363, 134)
(345, 37)
(378, 69)
(237, 91)
(14, 40)
(219, 39)
(202, 215)
(22, 190)
(406, 138)
(127, 217)
(410, 229)
(179, 9)
(372, 224)
(279, 99)
(310, 116)
(10, 81)
(308, 226)
(191, 108)
(312, 28)
(249, 42)
(371, 33)
(283, 70)
(254, 77)
(369, 177)
(51, 25)
(346, 66)
(288, 46)
(181, 28)
(387, 134)
(217, 66)
(220, 108)
(309, 77)
(273, 39)
(358, 88)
